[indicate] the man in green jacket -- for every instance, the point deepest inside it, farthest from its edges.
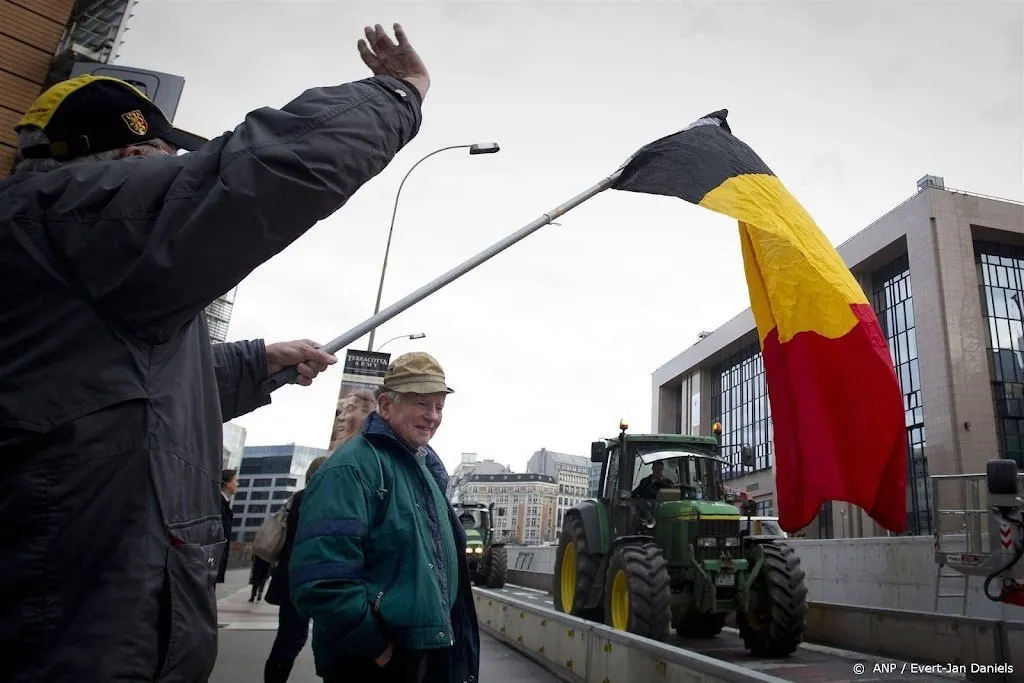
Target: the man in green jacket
(379, 561)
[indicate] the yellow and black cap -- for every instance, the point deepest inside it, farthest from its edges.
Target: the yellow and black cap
(93, 114)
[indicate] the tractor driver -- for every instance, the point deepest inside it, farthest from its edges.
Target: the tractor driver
(467, 519)
(650, 485)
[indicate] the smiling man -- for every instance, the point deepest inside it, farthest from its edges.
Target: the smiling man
(379, 561)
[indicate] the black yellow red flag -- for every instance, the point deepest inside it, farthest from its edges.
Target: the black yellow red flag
(837, 406)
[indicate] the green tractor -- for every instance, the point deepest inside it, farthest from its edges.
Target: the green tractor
(664, 545)
(488, 559)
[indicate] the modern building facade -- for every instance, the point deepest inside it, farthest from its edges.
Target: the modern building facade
(572, 472)
(944, 271)
(469, 466)
(524, 504)
(267, 478)
(234, 445)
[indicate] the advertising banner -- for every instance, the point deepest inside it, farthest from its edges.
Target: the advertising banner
(361, 378)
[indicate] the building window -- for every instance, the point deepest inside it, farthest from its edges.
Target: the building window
(893, 302)
(739, 398)
(243, 483)
(282, 495)
(260, 495)
(286, 481)
(261, 482)
(241, 495)
(258, 509)
(253, 521)
(765, 508)
(238, 508)
(269, 464)
(1001, 274)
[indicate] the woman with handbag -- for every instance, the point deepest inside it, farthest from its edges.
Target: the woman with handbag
(292, 627)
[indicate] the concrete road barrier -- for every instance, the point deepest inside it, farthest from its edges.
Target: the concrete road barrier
(584, 652)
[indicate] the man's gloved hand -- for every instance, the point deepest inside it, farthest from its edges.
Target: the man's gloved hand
(304, 353)
(387, 59)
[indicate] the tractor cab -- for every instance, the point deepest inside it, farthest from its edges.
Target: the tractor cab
(683, 474)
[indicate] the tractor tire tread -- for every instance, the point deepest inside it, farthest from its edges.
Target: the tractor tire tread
(650, 592)
(497, 567)
(587, 565)
(788, 594)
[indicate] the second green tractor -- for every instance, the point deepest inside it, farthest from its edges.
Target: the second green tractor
(487, 558)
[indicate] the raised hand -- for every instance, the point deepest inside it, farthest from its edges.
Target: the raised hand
(387, 59)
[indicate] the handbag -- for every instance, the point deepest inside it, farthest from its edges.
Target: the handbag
(270, 537)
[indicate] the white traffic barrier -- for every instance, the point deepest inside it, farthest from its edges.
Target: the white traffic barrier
(585, 652)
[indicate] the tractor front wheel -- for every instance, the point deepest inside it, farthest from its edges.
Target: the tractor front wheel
(497, 567)
(575, 572)
(637, 598)
(774, 626)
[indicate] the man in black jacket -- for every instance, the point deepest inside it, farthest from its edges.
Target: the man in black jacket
(111, 397)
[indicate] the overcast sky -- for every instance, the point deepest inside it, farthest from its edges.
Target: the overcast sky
(553, 341)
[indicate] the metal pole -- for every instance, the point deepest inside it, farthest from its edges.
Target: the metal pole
(394, 212)
(288, 375)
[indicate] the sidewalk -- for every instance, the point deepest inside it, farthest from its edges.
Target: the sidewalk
(248, 629)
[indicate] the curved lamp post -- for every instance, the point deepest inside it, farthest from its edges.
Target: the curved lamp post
(417, 335)
(474, 149)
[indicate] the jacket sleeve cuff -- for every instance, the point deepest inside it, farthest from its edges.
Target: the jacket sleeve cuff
(413, 92)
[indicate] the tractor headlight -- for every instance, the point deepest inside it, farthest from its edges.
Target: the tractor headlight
(732, 542)
(469, 551)
(707, 542)
(479, 551)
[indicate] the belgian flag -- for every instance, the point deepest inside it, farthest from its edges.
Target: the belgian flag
(837, 406)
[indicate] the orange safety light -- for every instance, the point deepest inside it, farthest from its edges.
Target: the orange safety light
(716, 428)
(623, 425)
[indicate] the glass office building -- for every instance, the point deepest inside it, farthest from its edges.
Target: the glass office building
(267, 478)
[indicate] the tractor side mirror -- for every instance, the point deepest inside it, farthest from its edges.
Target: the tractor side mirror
(747, 458)
(597, 451)
(748, 508)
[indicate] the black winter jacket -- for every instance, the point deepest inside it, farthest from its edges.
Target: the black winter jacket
(111, 397)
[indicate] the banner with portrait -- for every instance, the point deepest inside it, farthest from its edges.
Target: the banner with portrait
(361, 378)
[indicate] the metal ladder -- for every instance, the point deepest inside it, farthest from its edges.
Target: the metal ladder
(964, 582)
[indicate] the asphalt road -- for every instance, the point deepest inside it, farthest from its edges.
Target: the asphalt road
(247, 631)
(809, 664)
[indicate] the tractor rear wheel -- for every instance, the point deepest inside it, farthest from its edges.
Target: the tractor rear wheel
(637, 598)
(575, 571)
(698, 625)
(774, 626)
(497, 566)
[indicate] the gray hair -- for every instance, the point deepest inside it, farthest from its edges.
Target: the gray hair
(393, 396)
(31, 135)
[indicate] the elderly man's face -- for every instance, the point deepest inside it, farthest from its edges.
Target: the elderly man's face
(414, 417)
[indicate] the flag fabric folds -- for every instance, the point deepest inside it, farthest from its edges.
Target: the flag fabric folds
(837, 406)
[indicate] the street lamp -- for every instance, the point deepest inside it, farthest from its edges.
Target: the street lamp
(418, 335)
(474, 149)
